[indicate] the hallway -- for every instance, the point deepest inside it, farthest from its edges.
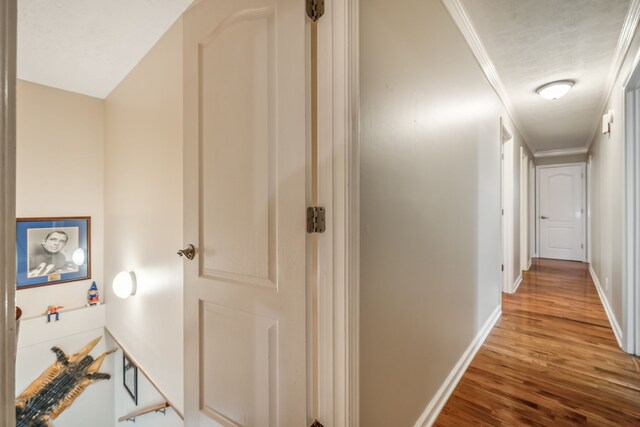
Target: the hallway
(552, 359)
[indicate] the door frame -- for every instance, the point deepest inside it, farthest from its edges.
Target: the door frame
(507, 200)
(8, 17)
(631, 209)
(584, 204)
(589, 206)
(338, 191)
(532, 212)
(524, 210)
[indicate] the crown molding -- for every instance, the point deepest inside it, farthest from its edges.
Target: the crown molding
(561, 152)
(624, 42)
(461, 18)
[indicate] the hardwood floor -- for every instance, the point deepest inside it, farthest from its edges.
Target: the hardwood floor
(551, 360)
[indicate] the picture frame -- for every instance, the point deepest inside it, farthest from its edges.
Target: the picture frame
(50, 251)
(130, 377)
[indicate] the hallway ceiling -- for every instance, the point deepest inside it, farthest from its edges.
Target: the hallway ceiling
(533, 42)
(88, 47)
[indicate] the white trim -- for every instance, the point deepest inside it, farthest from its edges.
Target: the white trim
(617, 331)
(589, 206)
(461, 18)
(524, 209)
(532, 212)
(537, 215)
(560, 152)
(530, 263)
(507, 203)
(517, 284)
(631, 208)
(338, 190)
(438, 401)
(8, 19)
(624, 42)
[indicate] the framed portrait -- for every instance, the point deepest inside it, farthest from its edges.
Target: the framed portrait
(52, 250)
(130, 377)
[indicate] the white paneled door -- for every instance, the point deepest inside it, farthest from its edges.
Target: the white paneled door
(244, 175)
(561, 212)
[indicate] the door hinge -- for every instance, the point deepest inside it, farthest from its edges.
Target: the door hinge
(582, 246)
(317, 423)
(315, 219)
(502, 267)
(315, 9)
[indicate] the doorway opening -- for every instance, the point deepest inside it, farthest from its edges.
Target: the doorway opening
(560, 217)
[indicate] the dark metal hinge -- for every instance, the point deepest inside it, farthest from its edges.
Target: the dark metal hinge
(502, 267)
(315, 219)
(316, 423)
(315, 9)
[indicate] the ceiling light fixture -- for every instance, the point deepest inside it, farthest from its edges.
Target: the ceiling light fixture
(555, 90)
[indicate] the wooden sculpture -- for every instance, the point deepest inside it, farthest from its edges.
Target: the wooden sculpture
(56, 389)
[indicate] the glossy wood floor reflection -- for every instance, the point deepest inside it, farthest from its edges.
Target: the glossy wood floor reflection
(551, 360)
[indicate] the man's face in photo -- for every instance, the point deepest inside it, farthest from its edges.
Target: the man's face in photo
(55, 242)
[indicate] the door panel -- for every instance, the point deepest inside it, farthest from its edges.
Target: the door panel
(238, 143)
(562, 212)
(239, 376)
(245, 169)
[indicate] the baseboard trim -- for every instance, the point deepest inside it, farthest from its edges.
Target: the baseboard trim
(617, 330)
(434, 407)
(517, 284)
(530, 264)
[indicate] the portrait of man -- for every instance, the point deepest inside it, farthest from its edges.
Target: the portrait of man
(50, 251)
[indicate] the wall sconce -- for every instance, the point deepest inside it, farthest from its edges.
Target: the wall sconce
(124, 284)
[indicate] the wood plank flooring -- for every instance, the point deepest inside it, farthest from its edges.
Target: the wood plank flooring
(551, 360)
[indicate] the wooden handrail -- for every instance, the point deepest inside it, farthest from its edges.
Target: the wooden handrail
(153, 408)
(153, 383)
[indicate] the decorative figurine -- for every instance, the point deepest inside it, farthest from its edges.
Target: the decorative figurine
(93, 296)
(53, 310)
(56, 389)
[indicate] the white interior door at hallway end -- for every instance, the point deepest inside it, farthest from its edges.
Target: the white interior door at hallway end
(244, 211)
(561, 219)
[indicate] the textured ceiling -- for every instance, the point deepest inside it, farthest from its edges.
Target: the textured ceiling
(533, 42)
(89, 46)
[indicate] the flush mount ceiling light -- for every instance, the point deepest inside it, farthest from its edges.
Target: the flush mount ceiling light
(555, 90)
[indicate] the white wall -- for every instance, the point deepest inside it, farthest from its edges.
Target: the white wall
(60, 147)
(430, 205)
(575, 158)
(607, 190)
(143, 211)
(147, 396)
